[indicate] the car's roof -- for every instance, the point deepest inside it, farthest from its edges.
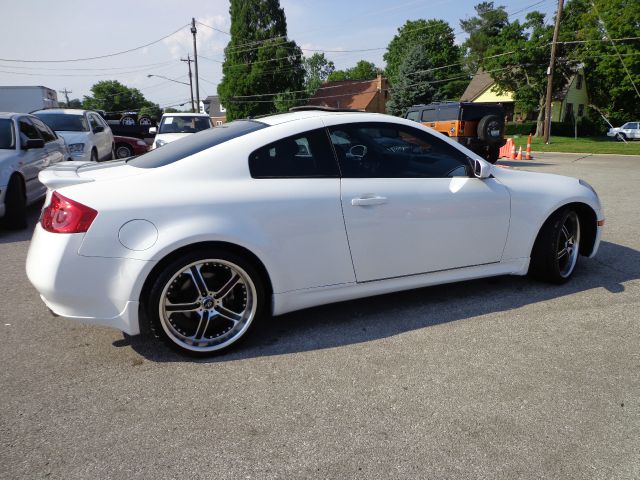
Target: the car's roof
(10, 115)
(66, 111)
(293, 116)
(184, 114)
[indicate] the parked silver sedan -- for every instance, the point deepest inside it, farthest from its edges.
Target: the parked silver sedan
(27, 146)
(628, 131)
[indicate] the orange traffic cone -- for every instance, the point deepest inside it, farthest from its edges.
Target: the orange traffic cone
(519, 157)
(513, 151)
(528, 154)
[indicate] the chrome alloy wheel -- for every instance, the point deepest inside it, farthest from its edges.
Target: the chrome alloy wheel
(207, 305)
(568, 245)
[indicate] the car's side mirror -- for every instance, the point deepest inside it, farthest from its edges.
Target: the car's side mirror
(481, 169)
(153, 130)
(98, 129)
(33, 143)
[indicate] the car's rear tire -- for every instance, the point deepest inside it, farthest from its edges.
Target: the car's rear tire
(557, 247)
(220, 295)
(145, 120)
(123, 150)
(15, 203)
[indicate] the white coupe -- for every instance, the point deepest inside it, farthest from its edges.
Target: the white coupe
(203, 237)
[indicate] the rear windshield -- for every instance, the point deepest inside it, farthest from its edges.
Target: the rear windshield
(477, 112)
(174, 151)
(64, 122)
(184, 124)
(7, 135)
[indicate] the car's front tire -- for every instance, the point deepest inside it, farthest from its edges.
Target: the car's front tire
(206, 301)
(15, 202)
(556, 250)
(621, 137)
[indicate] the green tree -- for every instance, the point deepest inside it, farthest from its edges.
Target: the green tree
(523, 68)
(73, 103)
(259, 59)
(152, 110)
(317, 70)
(363, 70)
(437, 39)
(481, 30)
(113, 96)
(414, 82)
(609, 84)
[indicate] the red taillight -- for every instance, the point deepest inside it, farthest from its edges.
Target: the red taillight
(64, 215)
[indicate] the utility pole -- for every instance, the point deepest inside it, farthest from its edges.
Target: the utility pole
(552, 64)
(194, 30)
(188, 60)
(66, 94)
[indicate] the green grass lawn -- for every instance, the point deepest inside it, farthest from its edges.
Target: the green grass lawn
(580, 145)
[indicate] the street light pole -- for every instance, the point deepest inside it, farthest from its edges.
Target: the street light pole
(194, 30)
(188, 60)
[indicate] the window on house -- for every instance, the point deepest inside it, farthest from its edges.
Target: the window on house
(579, 82)
(580, 110)
(568, 113)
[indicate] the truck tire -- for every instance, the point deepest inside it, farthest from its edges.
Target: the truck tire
(128, 120)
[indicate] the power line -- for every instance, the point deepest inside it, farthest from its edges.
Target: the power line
(98, 57)
(87, 69)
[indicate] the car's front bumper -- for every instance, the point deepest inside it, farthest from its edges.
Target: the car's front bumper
(95, 290)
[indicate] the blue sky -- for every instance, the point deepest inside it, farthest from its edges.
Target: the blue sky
(66, 29)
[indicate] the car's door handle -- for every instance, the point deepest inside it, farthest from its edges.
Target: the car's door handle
(363, 201)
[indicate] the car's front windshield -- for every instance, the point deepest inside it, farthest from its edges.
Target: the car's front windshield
(7, 135)
(64, 122)
(184, 124)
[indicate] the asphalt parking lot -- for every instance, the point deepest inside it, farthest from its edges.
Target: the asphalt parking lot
(499, 379)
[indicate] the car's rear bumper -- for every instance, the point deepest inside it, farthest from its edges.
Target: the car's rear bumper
(94, 290)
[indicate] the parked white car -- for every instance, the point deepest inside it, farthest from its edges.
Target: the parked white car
(87, 134)
(173, 126)
(26, 147)
(628, 131)
(267, 216)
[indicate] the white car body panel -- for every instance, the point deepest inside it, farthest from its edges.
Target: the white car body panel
(295, 227)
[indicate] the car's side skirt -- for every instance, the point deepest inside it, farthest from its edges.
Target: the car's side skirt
(299, 299)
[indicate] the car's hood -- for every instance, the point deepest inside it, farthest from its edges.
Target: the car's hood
(73, 137)
(65, 174)
(529, 186)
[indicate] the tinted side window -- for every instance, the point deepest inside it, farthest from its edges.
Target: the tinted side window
(414, 115)
(45, 132)
(305, 155)
(27, 130)
(429, 115)
(379, 150)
